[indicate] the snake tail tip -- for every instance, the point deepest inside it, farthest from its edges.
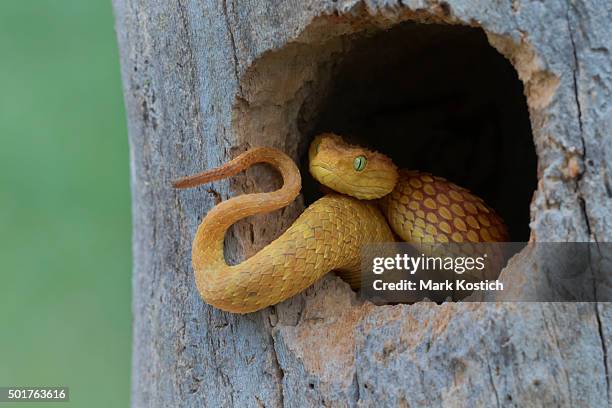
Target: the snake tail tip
(181, 183)
(175, 183)
(195, 180)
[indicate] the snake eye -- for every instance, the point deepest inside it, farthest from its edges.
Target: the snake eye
(317, 145)
(359, 163)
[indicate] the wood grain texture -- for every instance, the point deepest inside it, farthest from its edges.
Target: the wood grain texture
(206, 79)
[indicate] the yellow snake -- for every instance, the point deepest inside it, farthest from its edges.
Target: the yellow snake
(330, 233)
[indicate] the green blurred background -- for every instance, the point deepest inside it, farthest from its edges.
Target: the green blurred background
(65, 254)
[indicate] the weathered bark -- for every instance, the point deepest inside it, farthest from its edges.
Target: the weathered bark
(205, 79)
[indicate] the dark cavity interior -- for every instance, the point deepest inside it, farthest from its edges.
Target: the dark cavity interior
(436, 98)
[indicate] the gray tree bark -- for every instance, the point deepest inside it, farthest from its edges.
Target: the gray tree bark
(205, 79)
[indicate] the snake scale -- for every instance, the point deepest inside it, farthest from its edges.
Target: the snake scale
(373, 200)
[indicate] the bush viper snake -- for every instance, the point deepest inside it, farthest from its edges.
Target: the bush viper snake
(374, 200)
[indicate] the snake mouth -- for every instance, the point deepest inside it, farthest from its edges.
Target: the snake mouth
(326, 176)
(338, 183)
(326, 171)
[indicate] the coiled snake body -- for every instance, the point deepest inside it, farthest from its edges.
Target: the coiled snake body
(330, 233)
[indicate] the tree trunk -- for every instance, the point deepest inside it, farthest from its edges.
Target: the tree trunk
(204, 80)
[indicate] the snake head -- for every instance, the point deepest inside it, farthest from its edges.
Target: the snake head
(351, 170)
